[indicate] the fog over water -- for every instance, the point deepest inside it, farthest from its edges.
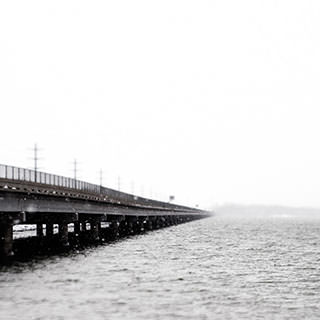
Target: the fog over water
(224, 267)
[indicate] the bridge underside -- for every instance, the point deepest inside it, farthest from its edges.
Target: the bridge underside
(64, 221)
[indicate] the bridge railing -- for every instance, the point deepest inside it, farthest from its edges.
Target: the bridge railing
(32, 176)
(28, 175)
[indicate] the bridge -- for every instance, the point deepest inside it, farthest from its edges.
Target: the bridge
(69, 212)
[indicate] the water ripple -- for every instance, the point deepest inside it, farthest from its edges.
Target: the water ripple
(214, 268)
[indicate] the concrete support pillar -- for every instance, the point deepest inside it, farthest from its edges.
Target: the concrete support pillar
(134, 225)
(147, 225)
(137, 226)
(155, 223)
(76, 228)
(39, 230)
(123, 228)
(113, 230)
(63, 233)
(49, 230)
(143, 223)
(6, 240)
(130, 227)
(161, 222)
(95, 230)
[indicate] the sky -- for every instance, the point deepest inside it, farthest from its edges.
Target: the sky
(211, 101)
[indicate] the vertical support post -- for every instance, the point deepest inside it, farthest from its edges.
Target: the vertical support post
(113, 230)
(159, 222)
(39, 230)
(149, 225)
(63, 233)
(136, 226)
(76, 228)
(49, 230)
(95, 230)
(130, 228)
(155, 224)
(6, 240)
(123, 228)
(143, 221)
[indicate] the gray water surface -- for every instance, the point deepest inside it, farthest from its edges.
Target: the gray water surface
(216, 268)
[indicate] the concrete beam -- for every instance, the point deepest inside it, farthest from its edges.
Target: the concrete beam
(56, 218)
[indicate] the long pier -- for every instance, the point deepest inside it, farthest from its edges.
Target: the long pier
(69, 212)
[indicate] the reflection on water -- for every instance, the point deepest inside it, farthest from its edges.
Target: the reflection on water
(222, 268)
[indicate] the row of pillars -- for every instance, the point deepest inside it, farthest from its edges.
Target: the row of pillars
(119, 227)
(63, 232)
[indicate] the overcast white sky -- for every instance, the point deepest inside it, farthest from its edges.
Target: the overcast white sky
(213, 101)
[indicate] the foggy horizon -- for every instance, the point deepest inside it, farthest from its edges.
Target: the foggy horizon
(215, 102)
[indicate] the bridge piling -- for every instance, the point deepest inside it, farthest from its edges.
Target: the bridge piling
(123, 228)
(148, 224)
(40, 230)
(6, 240)
(113, 230)
(49, 230)
(95, 228)
(76, 228)
(63, 234)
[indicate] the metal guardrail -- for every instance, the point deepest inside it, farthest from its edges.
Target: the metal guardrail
(27, 175)
(32, 176)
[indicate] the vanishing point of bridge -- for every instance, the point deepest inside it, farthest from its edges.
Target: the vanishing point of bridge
(69, 212)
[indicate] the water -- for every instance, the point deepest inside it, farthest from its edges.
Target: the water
(221, 268)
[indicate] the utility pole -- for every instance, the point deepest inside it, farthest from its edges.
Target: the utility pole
(151, 193)
(35, 161)
(75, 169)
(119, 183)
(101, 177)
